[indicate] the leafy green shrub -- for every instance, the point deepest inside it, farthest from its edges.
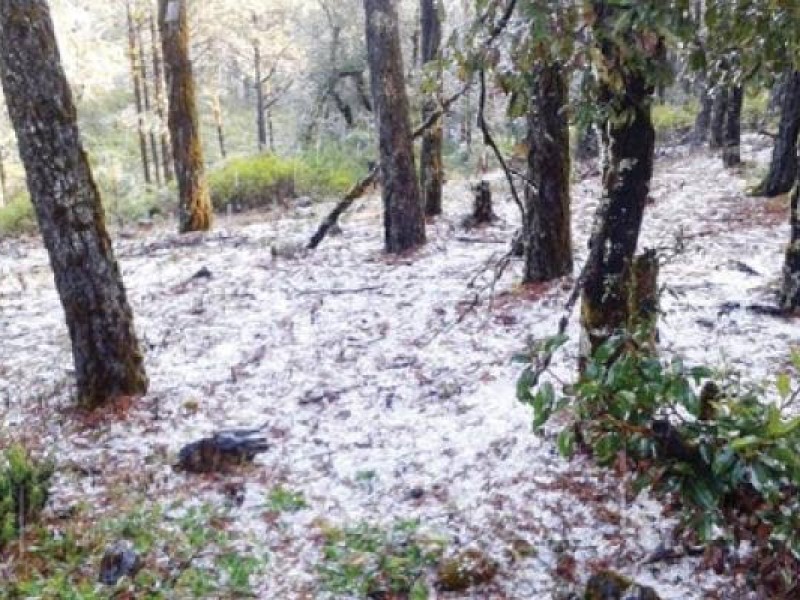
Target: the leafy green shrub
(17, 217)
(670, 118)
(253, 182)
(265, 179)
(24, 488)
(729, 456)
(367, 561)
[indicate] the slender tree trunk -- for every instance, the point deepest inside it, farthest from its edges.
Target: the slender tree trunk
(3, 181)
(790, 294)
(718, 118)
(261, 127)
(108, 362)
(217, 110)
(158, 86)
(783, 167)
(194, 206)
(629, 140)
(403, 217)
(548, 239)
(731, 149)
(588, 145)
(702, 122)
(270, 130)
(146, 95)
(431, 172)
(137, 92)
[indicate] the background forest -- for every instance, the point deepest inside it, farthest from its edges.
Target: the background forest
(320, 268)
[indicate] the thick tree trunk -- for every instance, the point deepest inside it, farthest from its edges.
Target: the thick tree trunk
(108, 362)
(158, 86)
(548, 239)
(790, 294)
(719, 113)
(431, 172)
(731, 149)
(136, 81)
(629, 141)
(783, 167)
(194, 206)
(404, 221)
(146, 95)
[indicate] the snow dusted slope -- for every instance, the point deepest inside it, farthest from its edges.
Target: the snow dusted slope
(386, 388)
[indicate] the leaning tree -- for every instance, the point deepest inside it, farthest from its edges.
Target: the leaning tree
(108, 361)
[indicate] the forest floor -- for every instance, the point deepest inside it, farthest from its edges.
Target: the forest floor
(385, 384)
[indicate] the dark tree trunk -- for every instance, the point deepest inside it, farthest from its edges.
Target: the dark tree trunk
(731, 149)
(431, 172)
(158, 86)
(403, 217)
(548, 243)
(136, 81)
(146, 96)
(261, 126)
(629, 141)
(718, 118)
(790, 294)
(108, 362)
(482, 212)
(783, 167)
(702, 122)
(194, 206)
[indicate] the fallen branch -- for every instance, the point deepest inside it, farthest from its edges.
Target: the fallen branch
(360, 188)
(489, 141)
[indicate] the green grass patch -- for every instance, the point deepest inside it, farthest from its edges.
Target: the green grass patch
(190, 553)
(671, 118)
(17, 217)
(368, 561)
(266, 179)
(281, 499)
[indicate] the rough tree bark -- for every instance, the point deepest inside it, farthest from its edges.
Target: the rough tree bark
(719, 113)
(194, 205)
(431, 172)
(790, 294)
(629, 141)
(136, 81)
(548, 238)
(403, 217)
(783, 167)
(732, 140)
(146, 97)
(702, 122)
(158, 87)
(108, 362)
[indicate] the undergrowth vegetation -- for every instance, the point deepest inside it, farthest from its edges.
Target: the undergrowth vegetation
(185, 553)
(724, 450)
(366, 561)
(266, 179)
(24, 489)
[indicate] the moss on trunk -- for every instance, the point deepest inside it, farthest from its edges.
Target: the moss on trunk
(194, 206)
(108, 361)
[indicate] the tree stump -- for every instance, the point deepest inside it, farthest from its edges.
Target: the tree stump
(482, 212)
